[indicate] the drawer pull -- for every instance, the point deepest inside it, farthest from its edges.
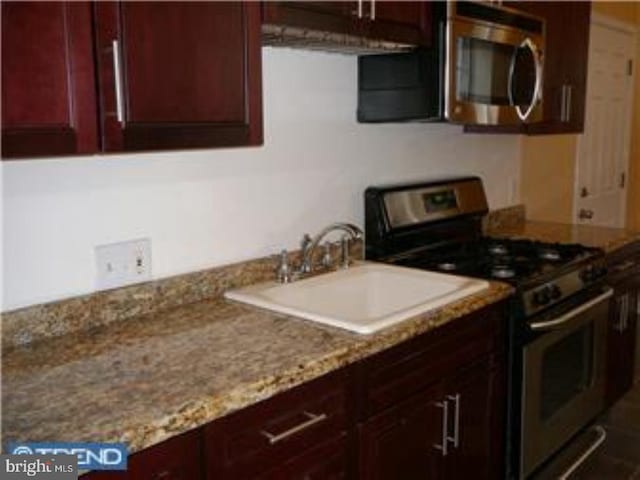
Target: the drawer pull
(312, 420)
(624, 266)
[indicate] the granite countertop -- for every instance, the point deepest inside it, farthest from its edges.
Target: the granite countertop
(147, 377)
(144, 380)
(609, 239)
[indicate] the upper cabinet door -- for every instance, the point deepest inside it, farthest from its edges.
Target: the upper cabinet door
(177, 75)
(395, 21)
(405, 22)
(48, 80)
(337, 17)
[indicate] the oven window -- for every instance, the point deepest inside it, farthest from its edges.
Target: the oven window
(483, 70)
(567, 369)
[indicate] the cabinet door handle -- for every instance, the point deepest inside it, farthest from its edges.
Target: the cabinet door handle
(443, 447)
(569, 98)
(373, 9)
(623, 303)
(618, 325)
(563, 104)
(118, 81)
(626, 265)
(312, 420)
(360, 8)
(456, 420)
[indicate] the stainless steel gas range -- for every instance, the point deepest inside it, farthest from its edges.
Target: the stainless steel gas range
(557, 326)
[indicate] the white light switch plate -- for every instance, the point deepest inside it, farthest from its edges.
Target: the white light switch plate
(123, 263)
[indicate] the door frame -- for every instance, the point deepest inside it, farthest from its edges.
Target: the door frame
(625, 27)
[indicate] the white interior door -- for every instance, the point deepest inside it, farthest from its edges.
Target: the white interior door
(603, 149)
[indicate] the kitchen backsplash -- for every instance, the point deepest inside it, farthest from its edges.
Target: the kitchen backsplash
(38, 322)
(207, 208)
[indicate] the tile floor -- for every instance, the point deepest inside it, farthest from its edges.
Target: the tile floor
(619, 457)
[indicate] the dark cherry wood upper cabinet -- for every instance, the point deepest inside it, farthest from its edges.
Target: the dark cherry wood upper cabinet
(179, 74)
(408, 22)
(48, 79)
(339, 17)
(396, 21)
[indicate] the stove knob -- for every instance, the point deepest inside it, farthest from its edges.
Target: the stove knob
(554, 292)
(600, 271)
(541, 297)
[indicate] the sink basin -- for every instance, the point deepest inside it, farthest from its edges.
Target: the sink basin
(364, 298)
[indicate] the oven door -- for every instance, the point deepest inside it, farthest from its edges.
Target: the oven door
(493, 75)
(563, 373)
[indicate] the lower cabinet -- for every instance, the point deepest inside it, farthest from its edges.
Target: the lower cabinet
(179, 458)
(302, 432)
(404, 441)
(452, 431)
(429, 408)
(624, 277)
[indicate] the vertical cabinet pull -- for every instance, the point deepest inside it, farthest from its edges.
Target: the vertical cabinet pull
(360, 8)
(566, 103)
(118, 81)
(455, 439)
(623, 313)
(445, 424)
(373, 9)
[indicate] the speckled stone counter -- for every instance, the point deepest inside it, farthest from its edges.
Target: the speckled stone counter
(609, 239)
(148, 378)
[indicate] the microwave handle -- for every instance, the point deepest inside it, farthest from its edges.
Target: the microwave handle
(538, 85)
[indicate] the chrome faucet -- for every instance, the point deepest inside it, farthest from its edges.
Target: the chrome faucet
(286, 273)
(309, 245)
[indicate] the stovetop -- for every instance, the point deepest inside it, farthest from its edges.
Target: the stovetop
(518, 262)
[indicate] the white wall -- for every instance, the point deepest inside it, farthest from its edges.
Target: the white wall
(207, 208)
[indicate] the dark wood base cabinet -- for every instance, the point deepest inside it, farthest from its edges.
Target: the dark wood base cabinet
(429, 408)
(624, 277)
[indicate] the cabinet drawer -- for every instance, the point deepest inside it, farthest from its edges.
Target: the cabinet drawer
(179, 458)
(393, 375)
(272, 432)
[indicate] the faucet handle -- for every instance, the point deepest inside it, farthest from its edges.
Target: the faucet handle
(306, 242)
(326, 257)
(283, 270)
(345, 245)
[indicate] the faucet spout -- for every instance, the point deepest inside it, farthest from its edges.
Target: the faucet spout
(353, 231)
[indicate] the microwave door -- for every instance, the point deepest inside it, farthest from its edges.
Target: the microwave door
(489, 72)
(525, 79)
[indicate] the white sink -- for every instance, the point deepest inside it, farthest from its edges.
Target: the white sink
(364, 298)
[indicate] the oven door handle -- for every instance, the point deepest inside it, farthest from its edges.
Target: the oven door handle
(561, 320)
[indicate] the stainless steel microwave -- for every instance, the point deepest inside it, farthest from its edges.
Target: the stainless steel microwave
(486, 68)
